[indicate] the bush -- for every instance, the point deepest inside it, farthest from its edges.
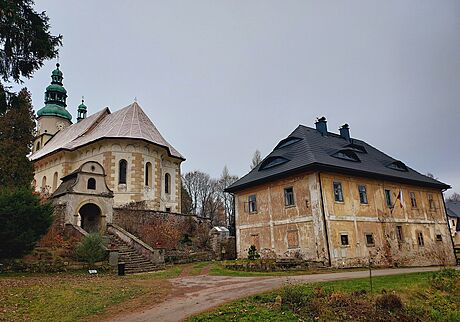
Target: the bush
(91, 249)
(252, 253)
(389, 302)
(23, 220)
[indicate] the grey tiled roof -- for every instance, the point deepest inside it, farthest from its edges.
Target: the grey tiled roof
(453, 208)
(314, 152)
(129, 122)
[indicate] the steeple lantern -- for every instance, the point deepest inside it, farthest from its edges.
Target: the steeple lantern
(55, 98)
(81, 111)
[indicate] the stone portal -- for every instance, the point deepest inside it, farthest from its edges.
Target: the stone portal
(90, 215)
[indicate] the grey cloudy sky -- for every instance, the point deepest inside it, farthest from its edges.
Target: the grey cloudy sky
(221, 79)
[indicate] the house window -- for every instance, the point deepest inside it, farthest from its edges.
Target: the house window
(168, 209)
(431, 201)
(55, 181)
(438, 237)
(399, 233)
(148, 174)
(91, 184)
(293, 239)
(362, 194)
(123, 165)
(252, 203)
(344, 239)
(289, 196)
(338, 192)
(413, 200)
(388, 200)
(420, 239)
(370, 240)
(167, 183)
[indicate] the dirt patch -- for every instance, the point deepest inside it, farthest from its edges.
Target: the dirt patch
(205, 270)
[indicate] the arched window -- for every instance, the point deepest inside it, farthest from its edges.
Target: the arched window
(167, 183)
(44, 183)
(55, 181)
(34, 184)
(123, 165)
(38, 146)
(91, 184)
(148, 174)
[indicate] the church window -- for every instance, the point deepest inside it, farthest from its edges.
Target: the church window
(44, 182)
(148, 174)
(38, 146)
(55, 181)
(123, 165)
(91, 184)
(167, 183)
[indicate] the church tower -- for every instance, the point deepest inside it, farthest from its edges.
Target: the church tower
(53, 116)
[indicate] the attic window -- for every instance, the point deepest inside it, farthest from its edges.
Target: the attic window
(286, 142)
(397, 165)
(357, 148)
(272, 162)
(346, 155)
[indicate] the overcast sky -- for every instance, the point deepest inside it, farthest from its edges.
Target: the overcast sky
(221, 79)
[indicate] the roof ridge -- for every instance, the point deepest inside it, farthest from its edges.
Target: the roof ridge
(94, 123)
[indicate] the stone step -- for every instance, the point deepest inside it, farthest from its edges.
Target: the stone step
(134, 261)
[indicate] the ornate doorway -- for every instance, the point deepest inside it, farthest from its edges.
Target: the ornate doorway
(90, 215)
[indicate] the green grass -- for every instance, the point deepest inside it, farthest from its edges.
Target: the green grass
(74, 296)
(219, 269)
(420, 298)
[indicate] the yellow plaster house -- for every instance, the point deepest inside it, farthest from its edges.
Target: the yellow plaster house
(103, 161)
(330, 198)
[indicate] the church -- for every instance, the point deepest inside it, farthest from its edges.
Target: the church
(104, 160)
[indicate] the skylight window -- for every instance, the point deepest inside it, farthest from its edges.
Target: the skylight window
(272, 162)
(398, 165)
(357, 148)
(346, 155)
(287, 141)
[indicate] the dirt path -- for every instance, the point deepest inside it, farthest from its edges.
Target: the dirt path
(195, 294)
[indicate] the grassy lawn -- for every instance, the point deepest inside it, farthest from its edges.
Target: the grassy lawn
(76, 296)
(411, 297)
(218, 269)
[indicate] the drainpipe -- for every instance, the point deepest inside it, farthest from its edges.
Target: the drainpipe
(324, 219)
(448, 224)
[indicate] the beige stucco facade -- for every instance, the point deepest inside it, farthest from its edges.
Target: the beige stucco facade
(109, 153)
(312, 228)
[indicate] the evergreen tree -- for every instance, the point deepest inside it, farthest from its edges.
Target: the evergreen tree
(25, 39)
(17, 129)
(23, 220)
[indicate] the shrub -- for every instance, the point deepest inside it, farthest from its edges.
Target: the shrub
(91, 249)
(23, 220)
(389, 302)
(252, 253)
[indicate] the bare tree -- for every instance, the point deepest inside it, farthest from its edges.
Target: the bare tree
(256, 159)
(226, 179)
(454, 197)
(203, 192)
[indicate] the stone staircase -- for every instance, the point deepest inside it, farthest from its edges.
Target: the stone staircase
(134, 262)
